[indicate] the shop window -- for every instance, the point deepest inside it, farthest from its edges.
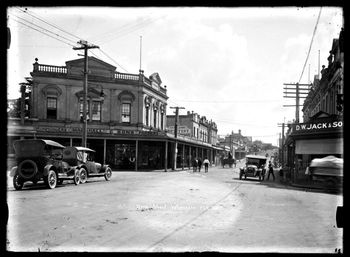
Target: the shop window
(126, 112)
(51, 112)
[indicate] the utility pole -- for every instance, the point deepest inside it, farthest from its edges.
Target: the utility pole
(297, 91)
(282, 144)
(175, 131)
(85, 46)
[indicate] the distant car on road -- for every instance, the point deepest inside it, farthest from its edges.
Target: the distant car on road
(82, 159)
(255, 166)
(39, 159)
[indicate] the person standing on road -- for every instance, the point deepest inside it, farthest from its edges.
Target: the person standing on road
(270, 172)
(199, 164)
(206, 164)
(195, 164)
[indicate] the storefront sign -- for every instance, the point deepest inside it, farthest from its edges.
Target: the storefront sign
(181, 130)
(98, 131)
(317, 126)
(71, 130)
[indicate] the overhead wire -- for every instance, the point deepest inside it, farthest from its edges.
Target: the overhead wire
(312, 39)
(43, 28)
(43, 32)
(26, 11)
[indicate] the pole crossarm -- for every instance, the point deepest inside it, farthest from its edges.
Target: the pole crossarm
(291, 84)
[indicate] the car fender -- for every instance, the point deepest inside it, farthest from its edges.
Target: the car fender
(47, 168)
(83, 166)
(13, 171)
(104, 167)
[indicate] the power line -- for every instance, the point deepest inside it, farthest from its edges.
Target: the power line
(244, 101)
(43, 32)
(44, 29)
(126, 31)
(312, 39)
(113, 60)
(55, 26)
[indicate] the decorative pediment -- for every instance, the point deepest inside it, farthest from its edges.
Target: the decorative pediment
(156, 78)
(93, 63)
(126, 95)
(92, 93)
(51, 90)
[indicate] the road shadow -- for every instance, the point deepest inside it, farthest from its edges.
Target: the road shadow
(277, 183)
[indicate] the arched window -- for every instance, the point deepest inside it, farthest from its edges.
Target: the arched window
(52, 93)
(147, 109)
(126, 98)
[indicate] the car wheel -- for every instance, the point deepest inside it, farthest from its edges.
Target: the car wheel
(108, 173)
(17, 182)
(51, 179)
(83, 176)
(76, 178)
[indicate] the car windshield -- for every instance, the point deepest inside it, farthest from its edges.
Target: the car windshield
(253, 162)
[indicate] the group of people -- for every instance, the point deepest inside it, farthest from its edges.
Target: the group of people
(197, 164)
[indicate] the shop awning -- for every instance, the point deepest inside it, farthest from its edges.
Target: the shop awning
(319, 146)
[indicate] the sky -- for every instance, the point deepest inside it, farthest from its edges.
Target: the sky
(227, 64)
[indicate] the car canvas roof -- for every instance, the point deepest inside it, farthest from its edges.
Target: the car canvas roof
(81, 148)
(53, 143)
(256, 157)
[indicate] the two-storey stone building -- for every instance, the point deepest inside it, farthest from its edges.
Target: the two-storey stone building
(126, 114)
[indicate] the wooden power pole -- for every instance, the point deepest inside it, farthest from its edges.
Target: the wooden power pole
(296, 91)
(175, 131)
(85, 46)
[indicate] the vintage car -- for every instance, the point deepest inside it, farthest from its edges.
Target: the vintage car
(39, 159)
(255, 166)
(82, 158)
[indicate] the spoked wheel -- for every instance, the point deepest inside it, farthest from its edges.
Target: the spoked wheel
(51, 179)
(76, 178)
(83, 176)
(17, 182)
(108, 174)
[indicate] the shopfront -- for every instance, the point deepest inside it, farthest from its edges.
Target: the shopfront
(317, 139)
(121, 149)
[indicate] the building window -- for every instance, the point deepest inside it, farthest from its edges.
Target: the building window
(126, 112)
(96, 110)
(51, 112)
(155, 118)
(87, 110)
(162, 121)
(147, 116)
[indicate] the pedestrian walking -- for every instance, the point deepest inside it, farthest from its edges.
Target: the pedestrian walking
(199, 164)
(206, 163)
(195, 164)
(270, 172)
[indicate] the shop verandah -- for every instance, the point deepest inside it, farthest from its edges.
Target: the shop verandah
(135, 153)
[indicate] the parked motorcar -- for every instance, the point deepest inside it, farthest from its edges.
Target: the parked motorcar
(255, 166)
(39, 159)
(82, 158)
